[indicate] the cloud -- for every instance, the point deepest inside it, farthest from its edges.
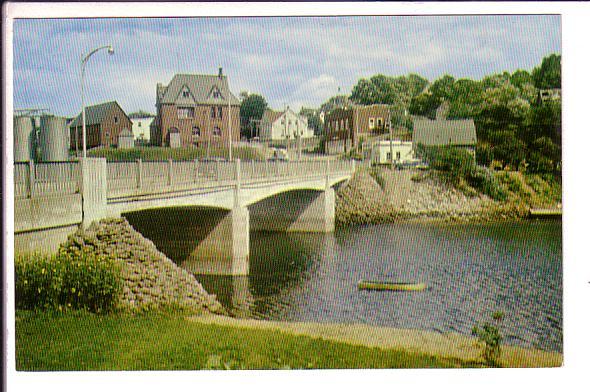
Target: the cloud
(300, 61)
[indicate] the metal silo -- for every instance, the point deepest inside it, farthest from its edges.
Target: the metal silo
(53, 139)
(24, 139)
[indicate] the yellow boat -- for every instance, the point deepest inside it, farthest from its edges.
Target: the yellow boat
(392, 286)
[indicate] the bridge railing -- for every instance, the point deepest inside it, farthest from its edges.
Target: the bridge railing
(47, 178)
(146, 176)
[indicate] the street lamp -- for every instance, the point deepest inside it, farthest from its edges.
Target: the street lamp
(83, 68)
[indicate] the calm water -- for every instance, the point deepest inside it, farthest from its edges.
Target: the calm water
(472, 270)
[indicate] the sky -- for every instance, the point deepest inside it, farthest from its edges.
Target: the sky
(291, 61)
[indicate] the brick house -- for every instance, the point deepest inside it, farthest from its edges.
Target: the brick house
(346, 126)
(104, 123)
(197, 108)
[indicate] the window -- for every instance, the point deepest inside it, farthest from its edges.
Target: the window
(371, 122)
(186, 112)
(115, 120)
(220, 111)
(346, 124)
(212, 111)
(185, 94)
(389, 156)
(379, 122)
(196, 135)
(398, 155)
(139, 123)
(217, 132)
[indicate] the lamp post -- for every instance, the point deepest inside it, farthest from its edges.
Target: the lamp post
(83, 68)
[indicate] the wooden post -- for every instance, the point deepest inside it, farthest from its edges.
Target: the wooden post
(169, 172)
(31, 179)
(139, 174)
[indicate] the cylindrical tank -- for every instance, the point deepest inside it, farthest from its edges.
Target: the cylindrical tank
(53, 139)
(126, 139)
(24, 139)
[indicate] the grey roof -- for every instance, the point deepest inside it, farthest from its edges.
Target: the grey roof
(95, 114)
(271, 116)
(444, 132)
(200, 87)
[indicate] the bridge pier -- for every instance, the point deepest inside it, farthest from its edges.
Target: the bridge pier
(225, 249)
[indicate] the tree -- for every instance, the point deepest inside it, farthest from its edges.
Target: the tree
(548, 75)
(520, 78)
(313, 120)
(442, 88)
(252, 109)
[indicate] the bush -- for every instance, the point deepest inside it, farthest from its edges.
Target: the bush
(489, 335)
(67, 282)
(484, 180)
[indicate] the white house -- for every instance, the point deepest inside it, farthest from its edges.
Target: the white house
(283, 126)
(403, 152)
(140, 126)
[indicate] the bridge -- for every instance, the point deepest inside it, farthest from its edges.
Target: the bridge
(53, 199)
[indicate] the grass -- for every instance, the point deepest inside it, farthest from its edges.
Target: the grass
(177, 154)
(84, 341)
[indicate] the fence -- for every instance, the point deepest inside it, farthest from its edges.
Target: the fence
(43, 179)
(156, 176)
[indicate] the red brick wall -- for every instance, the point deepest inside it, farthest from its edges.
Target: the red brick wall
(202, 119)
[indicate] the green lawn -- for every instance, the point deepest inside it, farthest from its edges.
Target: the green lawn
(84, 341)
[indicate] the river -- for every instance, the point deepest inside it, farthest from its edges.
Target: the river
(471, 270)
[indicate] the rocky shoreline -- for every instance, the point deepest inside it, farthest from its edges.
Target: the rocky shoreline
(386, 196)
(150, 279)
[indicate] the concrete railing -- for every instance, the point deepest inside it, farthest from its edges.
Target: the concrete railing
(44, 179)
(131, 177)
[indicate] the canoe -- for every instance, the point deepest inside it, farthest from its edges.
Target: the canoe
(392, 286)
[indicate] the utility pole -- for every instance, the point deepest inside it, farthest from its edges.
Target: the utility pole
(390, 142)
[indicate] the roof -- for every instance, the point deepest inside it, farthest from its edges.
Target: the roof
(200, 88)
(271, 116)
(96, 114)
(141, 114)
(444, 132)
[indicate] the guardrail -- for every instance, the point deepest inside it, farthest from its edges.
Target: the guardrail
(130, 177)
(48, 178)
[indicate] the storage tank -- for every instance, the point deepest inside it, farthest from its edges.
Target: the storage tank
(54, 139)
(24, 139)
(126, 139)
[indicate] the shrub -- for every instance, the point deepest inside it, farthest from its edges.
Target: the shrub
(484, 180)
(67, 282)
(491, 338)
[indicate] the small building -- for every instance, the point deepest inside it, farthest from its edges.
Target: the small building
(552, 94)
(285, 125)
(453, 133)
(199, 108)
(141, 125)
(104, 123)
(403, 152)
(346, 126)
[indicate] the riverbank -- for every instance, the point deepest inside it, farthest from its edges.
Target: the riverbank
(448, 346)
(150, 279)
(48, 341)
(382, 195)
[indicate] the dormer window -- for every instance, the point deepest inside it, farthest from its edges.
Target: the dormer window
(185, 94)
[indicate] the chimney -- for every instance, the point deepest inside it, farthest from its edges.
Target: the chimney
(220, 72)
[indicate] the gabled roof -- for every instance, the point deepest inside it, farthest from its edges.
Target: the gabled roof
(96, 114)
(200, 87)
(444, 132)
(271, 116)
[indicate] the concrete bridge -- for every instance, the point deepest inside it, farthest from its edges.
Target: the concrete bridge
(52, 200)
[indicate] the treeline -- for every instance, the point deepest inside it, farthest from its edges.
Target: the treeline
(515, 128)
